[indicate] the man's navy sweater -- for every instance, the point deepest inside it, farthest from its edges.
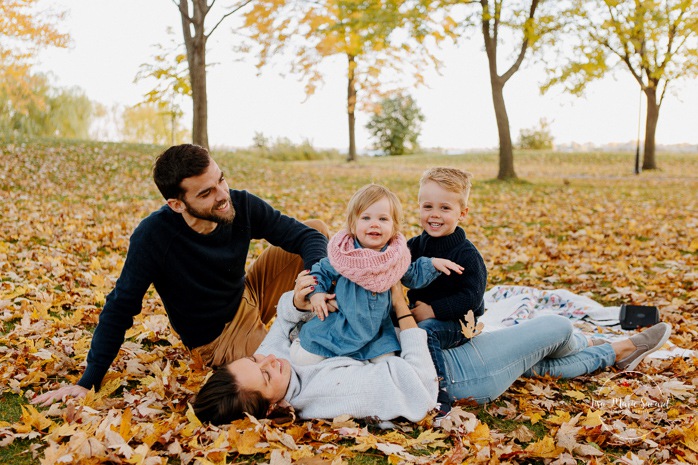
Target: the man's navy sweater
(199, 277)
(451, 296)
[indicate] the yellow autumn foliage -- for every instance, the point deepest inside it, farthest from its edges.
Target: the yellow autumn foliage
(583, 223)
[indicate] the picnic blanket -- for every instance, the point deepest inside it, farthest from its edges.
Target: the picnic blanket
(510, 305)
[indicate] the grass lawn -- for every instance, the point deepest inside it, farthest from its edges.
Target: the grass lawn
(578, 221)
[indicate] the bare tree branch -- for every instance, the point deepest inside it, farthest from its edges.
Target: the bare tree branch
(234, 10)
(490, 43)
(497, 16)
(182, 6)
(524, 46)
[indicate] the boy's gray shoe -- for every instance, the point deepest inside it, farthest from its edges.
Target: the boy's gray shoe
(646, 342)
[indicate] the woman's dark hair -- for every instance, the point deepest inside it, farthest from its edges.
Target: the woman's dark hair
(175, 164)
(221, 400)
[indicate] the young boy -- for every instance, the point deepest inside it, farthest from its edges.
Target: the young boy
(439, 307)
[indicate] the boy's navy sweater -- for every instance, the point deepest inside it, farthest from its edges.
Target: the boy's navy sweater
(451, 296)
(199, 277)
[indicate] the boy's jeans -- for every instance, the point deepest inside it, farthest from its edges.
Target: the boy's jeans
(442, 335)
(485, 367)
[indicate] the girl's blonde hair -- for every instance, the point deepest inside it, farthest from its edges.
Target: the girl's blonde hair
(367, 196)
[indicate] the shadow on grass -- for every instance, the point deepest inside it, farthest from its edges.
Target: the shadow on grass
(507, 182)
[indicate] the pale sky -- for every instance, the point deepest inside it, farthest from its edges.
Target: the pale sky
(111, 39)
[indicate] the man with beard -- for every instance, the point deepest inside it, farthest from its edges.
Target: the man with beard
(193, 250)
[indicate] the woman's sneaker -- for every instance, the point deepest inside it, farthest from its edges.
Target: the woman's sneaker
(646, 342)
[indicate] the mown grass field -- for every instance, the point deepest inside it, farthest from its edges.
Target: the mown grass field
(580, 221)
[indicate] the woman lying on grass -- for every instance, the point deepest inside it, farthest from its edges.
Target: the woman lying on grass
(405, 385)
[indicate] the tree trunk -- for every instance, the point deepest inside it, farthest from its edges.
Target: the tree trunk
(196, 59)
(490, 33)
(649, 161)
(197, 74)
(506, 153)
(351, 106)
(173, 117)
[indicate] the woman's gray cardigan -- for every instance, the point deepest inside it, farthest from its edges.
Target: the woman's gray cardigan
(396, 386)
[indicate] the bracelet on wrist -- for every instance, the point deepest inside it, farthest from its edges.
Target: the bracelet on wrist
(405, 316)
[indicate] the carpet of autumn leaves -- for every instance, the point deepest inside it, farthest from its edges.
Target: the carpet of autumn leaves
(580, 222)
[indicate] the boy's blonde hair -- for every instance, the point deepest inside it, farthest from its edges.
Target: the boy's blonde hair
(451, 179)
(367, 196)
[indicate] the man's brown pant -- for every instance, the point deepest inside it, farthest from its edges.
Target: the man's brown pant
(272, 274)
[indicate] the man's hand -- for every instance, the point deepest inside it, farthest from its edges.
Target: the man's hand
(60, 394)
(422, 311)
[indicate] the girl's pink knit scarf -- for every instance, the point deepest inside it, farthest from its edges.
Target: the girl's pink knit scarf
(370, 269)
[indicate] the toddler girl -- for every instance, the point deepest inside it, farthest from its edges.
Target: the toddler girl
(364, 260)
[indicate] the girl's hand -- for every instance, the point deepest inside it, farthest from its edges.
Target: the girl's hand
(331, 303)
(446, 266)
(305, 284)
(317, 301)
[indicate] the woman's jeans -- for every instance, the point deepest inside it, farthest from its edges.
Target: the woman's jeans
(486, 366)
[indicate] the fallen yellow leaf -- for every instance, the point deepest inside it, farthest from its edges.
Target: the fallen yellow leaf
(545, 448)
